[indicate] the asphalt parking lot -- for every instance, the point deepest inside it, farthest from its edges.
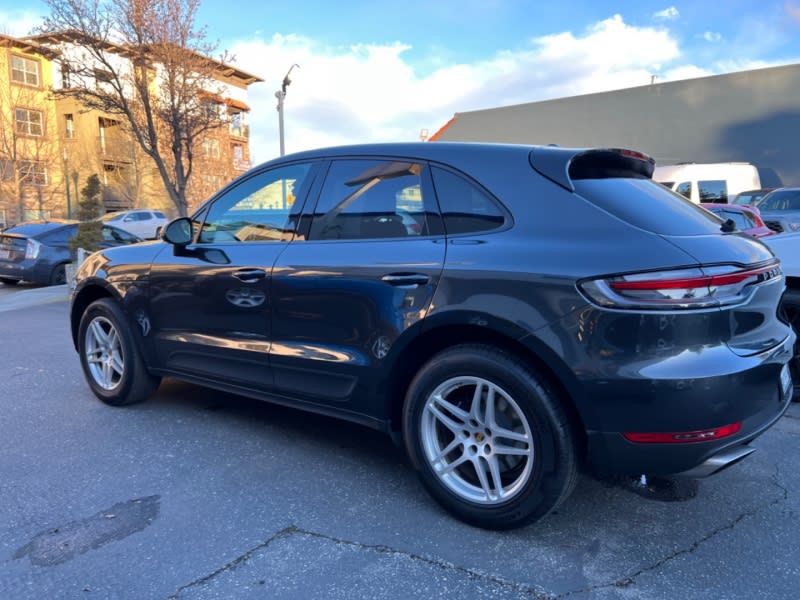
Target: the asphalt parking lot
(199, 494)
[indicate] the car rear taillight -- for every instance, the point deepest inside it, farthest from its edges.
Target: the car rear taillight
(683, 437)
(699, 287)
(32, 249)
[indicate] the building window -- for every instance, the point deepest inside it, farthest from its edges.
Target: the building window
(29, 122)
(69, 126)
(66, 76)
(33, 172)
(212, 182)
(211, 148)
(25, 71)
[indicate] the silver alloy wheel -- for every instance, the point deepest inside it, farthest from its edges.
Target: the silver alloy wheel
(103, 352)
(477, 440)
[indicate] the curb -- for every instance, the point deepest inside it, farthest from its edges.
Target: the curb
(27, 298)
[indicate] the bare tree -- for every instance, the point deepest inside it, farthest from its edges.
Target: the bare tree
(146, 62)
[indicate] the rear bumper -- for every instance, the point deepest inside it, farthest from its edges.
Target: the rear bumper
(27, 270)
(753, 396)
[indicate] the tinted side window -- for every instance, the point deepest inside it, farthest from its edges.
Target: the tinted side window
(465, 207)
(372, 199)
(713, 191)
(117, 235)
(684, 189)
(258, 209)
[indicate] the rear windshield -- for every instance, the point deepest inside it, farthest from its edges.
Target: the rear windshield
(648, 205)
(33, 229)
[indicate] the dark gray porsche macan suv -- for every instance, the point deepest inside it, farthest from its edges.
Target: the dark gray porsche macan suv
(506, 312)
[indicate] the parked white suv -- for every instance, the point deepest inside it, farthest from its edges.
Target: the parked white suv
(787, 247)
(144, 223)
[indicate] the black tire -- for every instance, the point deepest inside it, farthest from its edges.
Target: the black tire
(790, 304)
(534, 483)
(116, 373)
(7, 281)
(59, 275)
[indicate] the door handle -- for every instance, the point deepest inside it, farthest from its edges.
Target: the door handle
(406, 279)
(250, 275)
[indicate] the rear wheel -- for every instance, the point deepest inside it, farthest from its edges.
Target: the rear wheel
(111, 361)
(59, 275)
(490, 442)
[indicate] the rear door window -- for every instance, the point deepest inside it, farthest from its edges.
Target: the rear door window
(373, 199)
(465, 207)
(648, 205)
(713, 191)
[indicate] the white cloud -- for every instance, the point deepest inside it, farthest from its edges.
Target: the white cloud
(668, 14)
(18, 23)
(712, 36)
(366, 93)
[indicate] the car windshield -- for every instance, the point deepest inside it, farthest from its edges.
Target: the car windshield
(781, 200)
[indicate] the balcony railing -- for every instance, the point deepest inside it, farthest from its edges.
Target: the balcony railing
(240, 164)
(242, 131)
(116, 149)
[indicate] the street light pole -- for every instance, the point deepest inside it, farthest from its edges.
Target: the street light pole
(281, 95)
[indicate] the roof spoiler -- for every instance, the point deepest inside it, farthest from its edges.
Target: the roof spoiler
(564, 165)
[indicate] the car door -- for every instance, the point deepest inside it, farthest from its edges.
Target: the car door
(357, 282)
(210, 309)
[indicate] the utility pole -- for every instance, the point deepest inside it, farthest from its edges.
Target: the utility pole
(281, 95)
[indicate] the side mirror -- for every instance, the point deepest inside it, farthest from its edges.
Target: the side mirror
(178, 232)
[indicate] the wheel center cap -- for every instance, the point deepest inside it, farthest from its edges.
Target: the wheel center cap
(479, 437)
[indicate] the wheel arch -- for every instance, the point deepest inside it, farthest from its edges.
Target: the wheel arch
(433, 340)
(80, 301)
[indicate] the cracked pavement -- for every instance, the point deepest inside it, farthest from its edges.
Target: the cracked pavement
(248, 500)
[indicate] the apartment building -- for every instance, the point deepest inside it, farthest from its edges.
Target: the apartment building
(68, 142)
(31, 170)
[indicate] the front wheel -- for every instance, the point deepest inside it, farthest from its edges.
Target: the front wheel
(490, 441)
(111, 361)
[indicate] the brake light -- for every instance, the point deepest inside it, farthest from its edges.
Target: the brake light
(699, 287)
(32, 249)
(635, 154)
(684, 437)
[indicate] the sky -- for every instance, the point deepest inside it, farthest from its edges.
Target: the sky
(389, 71)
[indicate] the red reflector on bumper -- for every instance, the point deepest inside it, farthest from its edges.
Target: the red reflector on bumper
(683, 437)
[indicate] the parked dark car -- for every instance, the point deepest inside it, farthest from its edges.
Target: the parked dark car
(750, 197)
(780, 210)
(38, 251)
(547, 306)
(746, 218)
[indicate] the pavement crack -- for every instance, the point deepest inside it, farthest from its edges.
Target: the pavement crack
(473, 574)
(230, 566)
(630, 579)
(531, 592)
